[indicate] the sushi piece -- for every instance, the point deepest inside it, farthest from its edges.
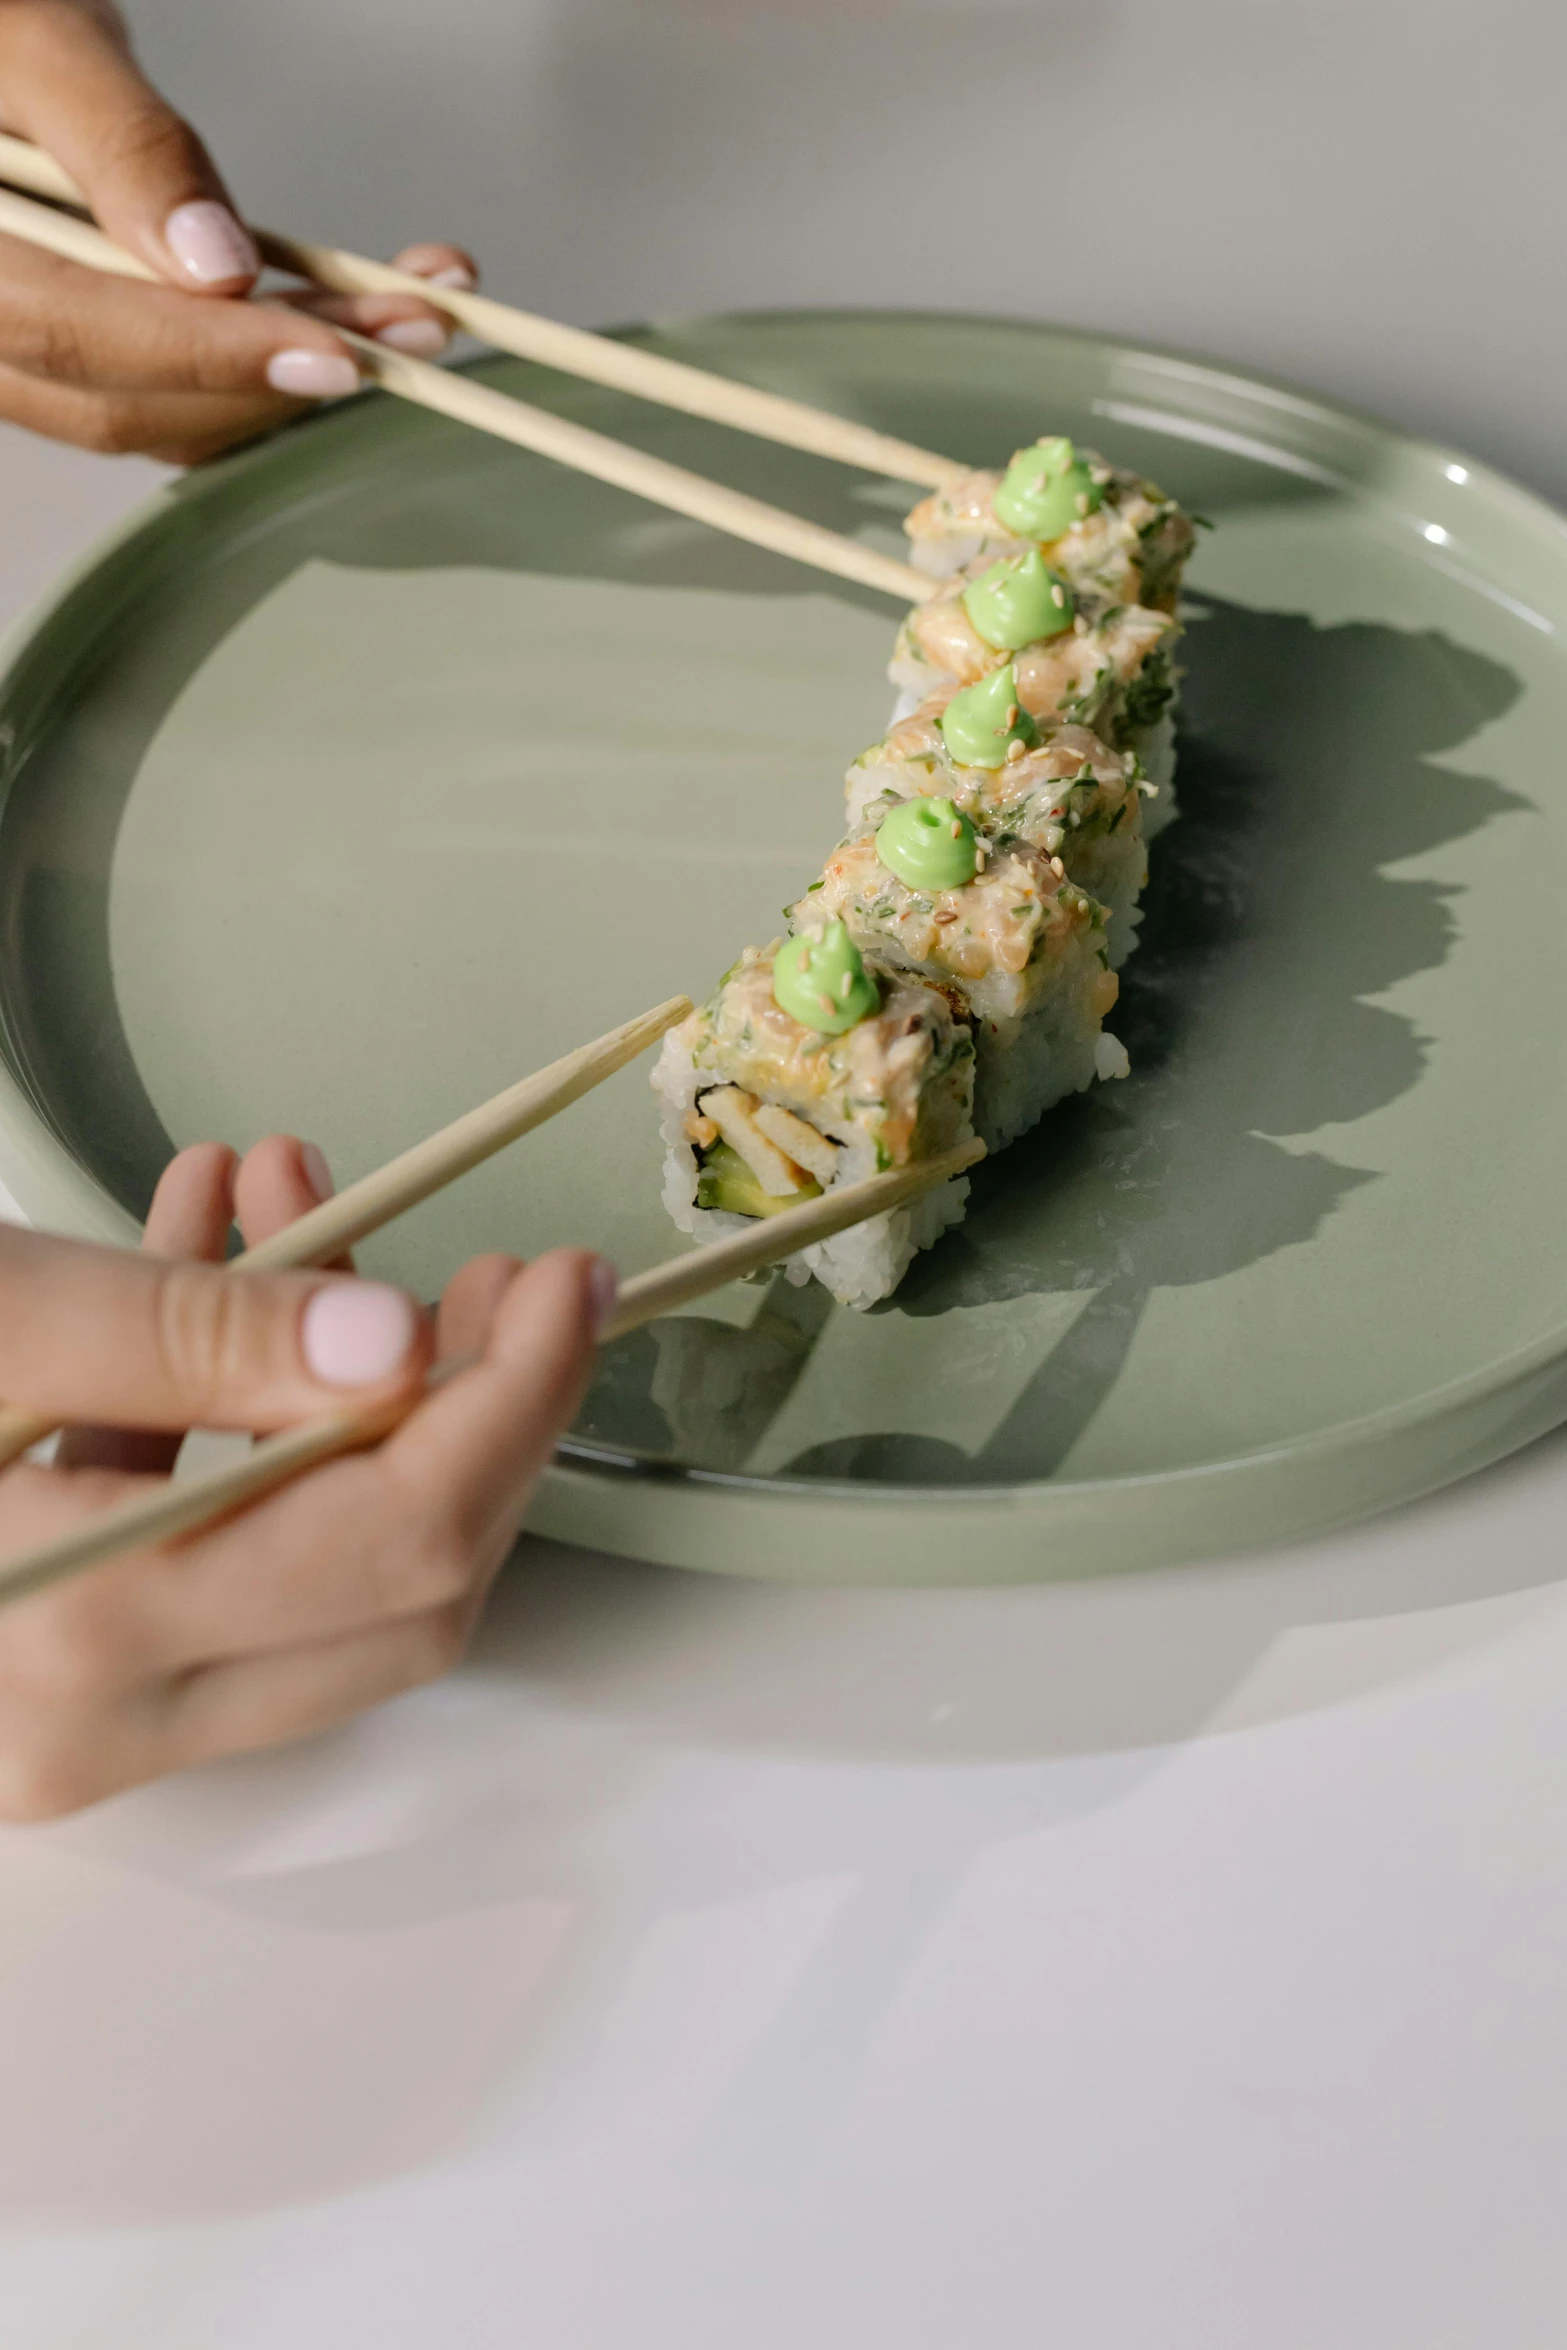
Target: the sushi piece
(1074, 656)
(990, 917)
(1102, 530)
(813, 1066)
(1068, 796)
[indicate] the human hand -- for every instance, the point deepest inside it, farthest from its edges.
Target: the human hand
(347, 1587)
(117, 365)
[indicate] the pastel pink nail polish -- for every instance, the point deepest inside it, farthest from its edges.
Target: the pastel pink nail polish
(209, 244)
(312, 375)
(606, 1294)
(317, 1173)
(357, 1332)
(461, 281)
(421, 338)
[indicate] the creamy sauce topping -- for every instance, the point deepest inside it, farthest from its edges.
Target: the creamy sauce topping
(877, 1076)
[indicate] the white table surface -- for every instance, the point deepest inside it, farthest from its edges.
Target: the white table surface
(1168, 1963)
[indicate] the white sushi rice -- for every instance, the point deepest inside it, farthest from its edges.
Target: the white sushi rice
(1024, 1066)
(859, 1266)
(1118, 881)
(1156, 749)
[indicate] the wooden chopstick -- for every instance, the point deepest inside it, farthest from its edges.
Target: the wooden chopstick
(326, 1232)
(571, 349)
(188, 1505)
(680, 1279)
(532, 428)
(631, 469)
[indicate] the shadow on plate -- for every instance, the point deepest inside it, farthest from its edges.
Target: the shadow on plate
(1305, 772)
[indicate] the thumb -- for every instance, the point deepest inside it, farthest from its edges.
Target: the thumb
(71, 83)
(99, 1334)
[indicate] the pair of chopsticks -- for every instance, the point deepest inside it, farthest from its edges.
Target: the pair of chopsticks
(650, 377)
(315, 1239)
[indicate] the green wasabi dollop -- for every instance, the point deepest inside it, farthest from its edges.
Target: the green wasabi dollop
(983, 721)
(1045, 490)
(928, 845)
(1018, 601)
(820, 980)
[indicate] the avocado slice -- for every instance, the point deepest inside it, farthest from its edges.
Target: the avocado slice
(725, 1181)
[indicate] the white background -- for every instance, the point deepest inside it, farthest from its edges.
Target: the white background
(1171, 1963)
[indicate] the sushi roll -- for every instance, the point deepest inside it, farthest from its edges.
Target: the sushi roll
(1073, 656)
(989, 917)
(951, 970)
(811, 1066)
(1067, 795)
(1104, 531)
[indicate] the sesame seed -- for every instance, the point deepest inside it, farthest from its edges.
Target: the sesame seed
(1058, 869)
(1058, 596)
(1014, 749)
(1011, 717)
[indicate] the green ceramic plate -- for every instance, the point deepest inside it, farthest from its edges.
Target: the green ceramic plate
(379, 764)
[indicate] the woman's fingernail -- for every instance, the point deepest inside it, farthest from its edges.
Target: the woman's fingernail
(312, 375)
(605, 1284)
(317, 1173)
(357, 1332)
(209, 243)
(421, 338)
(462, 281)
